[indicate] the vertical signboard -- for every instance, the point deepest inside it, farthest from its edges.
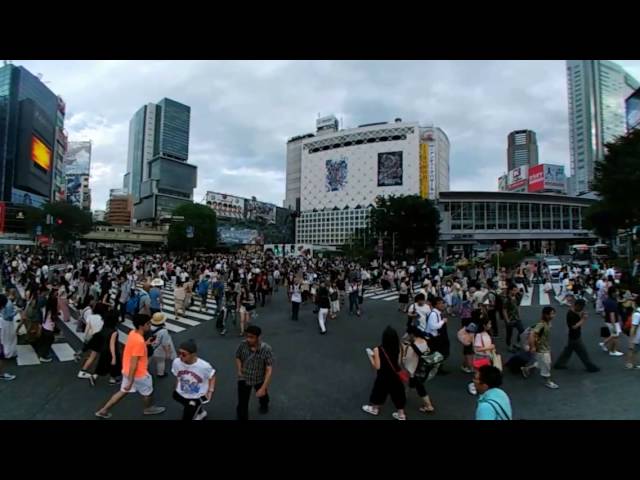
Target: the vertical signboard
(424, 172)
(536, 178)
(432, 172)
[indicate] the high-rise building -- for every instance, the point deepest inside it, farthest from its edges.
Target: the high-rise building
(77, 169)
(158, 176)
(31, 126)
(632, 108)
(522, 149)
(597, 90)
(119, 207)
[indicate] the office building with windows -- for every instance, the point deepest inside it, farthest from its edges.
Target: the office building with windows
(597, 90)
(158, 177)
(32, 137)
(522, 149)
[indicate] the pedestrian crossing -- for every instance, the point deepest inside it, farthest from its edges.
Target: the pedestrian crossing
(64, 352)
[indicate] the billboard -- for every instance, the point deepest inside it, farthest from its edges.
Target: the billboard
(547, 177)
(424, 172)
(26, 198)
(226, 206)
(389, 169)
(632, 105)
(255, 210)
(40, 153)
(336, 174)
(517, 178)
(238, 236)
(77, 160)
(74, 190)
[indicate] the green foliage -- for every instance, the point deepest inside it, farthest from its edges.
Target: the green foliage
(414, 220)
(75, 222)
(617, 181)
(202, 219)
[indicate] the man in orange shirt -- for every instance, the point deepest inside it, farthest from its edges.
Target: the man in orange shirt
(135, 375)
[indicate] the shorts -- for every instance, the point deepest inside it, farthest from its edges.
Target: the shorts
(543, 362)
(614, 329)
(467, 350)
(143, 385)
(635, 340)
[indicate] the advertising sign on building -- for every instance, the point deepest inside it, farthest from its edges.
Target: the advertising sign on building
(432, 172)
(536, 178)
(26, 198)
(502, 183)
(554, 177)
(255, 210)
(77, 160)
(632, 105)
(226, 206)
(517, 179)
(424, 172)
(74, 190)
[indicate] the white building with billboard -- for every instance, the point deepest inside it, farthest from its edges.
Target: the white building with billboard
(343, 172)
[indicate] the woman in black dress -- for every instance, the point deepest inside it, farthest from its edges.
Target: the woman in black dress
(110, 360)
(386, 360)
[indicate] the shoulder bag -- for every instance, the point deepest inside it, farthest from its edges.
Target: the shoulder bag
(402, 374)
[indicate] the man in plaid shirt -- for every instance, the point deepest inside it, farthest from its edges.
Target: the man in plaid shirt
(254, 363)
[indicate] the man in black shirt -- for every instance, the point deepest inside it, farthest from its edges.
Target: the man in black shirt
(323, 307)
(576, 317)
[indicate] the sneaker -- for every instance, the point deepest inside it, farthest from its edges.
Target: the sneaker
(113, 381)
(370, 410)
(603, 347)
(84, 375)
(155, 410)
(7, 376)
(45, 360)
(628, 366)
(551, 385)
(525, 372)
(466, 369)
(103, 415)
(201, 415)
(616, 354)
(397, 416)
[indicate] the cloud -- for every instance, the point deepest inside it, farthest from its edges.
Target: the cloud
(242, 112)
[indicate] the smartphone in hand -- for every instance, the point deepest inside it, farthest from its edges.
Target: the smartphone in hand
(369, 352)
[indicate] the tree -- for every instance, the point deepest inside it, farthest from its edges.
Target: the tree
(408, 222)
(617, 181)
(204, 223)
(69, 221)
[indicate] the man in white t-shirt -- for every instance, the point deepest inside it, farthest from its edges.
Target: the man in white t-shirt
(196, 381)
(419, 312)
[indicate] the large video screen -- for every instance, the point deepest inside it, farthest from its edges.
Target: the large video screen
(40, 153)
(389, 169)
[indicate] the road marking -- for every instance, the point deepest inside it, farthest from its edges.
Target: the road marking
(544, 297)
(526, 298)
(63, 351)
(186, 321)
(27, 355)
(556, 288)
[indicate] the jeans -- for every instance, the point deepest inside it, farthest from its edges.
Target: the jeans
(295, 308)
(244, 393)
(353, 302)
(510, 326)
(578, 347)
(191, 405)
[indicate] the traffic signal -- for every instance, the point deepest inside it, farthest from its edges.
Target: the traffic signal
(59, 221)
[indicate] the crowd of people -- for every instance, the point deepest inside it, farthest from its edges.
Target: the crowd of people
(485, 301)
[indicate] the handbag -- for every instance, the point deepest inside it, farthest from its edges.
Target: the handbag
(496, 360)
(402, 374)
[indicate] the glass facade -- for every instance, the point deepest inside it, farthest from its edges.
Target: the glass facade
(172, 128)
(474, 216)
(136, 152)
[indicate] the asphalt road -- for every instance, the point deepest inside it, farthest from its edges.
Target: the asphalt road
(329, 377)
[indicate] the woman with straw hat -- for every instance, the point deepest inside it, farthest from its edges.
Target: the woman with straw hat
(162, 344)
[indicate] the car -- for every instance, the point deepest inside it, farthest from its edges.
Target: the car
(554, 265)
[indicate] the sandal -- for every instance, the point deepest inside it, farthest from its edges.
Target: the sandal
(369, 409)
(425, 409)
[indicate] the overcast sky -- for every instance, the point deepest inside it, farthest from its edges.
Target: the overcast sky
(242, 112)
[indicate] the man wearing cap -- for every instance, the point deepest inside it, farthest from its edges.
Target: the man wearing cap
(135, 374)
(196, 381)
(254, 364)
(162, 344)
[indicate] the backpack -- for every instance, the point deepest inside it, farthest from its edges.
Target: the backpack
(133, 304)
(428, 363)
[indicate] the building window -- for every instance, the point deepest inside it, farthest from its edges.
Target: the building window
(490, 208)
(467, 216)
(535, 216)
(557, 220)
(566, 218)
(503, 216)
(479, 216)
(525, 217)
(546, 217)
(456, 216)
(513, 216)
